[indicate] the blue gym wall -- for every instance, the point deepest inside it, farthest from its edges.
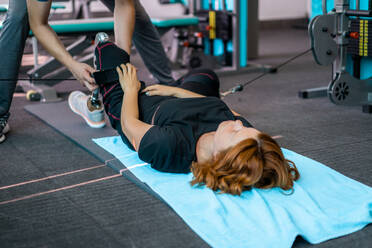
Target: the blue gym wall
(366, 63)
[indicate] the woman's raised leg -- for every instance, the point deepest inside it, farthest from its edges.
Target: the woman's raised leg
(109, 56)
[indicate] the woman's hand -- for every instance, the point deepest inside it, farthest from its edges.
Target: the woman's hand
(128, 78)
(164, 90)
(159, 90)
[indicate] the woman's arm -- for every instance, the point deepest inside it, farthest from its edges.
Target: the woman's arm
(132, 127)
(235, 113)
(164, 90)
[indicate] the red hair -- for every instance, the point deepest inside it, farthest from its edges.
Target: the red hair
(257, 163)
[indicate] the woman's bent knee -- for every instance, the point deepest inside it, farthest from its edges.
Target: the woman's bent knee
(109, 56)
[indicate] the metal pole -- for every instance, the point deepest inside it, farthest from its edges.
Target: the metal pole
(35, 51)
(236, 34)
(252, 29)
(356, 58)
(192, 7)
(324, 7)
(341, 7)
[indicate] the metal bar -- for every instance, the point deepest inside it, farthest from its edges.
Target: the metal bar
(35, 51)
(324, 7)
(236, 34)
(192, 7)
(252, 29)
(314, 92)
(224, 8)
(358, 13)
(356, 58)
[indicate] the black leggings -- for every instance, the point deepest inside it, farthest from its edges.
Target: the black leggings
(109, 56)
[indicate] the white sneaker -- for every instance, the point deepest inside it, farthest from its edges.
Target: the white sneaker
(78, 103)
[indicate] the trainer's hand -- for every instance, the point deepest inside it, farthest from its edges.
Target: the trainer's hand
(159, 90)
(83, 72)
(128, 78)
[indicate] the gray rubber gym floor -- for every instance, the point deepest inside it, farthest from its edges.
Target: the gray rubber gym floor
(117, 213)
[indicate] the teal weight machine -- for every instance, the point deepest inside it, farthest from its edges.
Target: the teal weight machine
(225, 37)
(342, 37)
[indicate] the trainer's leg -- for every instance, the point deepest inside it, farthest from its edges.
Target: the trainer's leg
(201, 81)
(147, 41)
(12, 42)
(124, 18)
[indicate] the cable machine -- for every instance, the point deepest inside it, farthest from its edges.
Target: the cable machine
(341, 38)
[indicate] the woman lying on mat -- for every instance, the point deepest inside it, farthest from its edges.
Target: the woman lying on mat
(185, 127)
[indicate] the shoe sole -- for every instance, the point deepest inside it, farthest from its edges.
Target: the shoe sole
(89, 122)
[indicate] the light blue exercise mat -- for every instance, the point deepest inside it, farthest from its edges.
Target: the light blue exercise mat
(324, 205)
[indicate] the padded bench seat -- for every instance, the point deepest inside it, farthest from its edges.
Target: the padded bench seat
(84, 26)
(165, 22)
(3, 9)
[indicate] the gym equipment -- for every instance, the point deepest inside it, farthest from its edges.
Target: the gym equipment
(228, 30)
(81, 9)
(3, 8)
(340, 38)
(33, 95)
(241, 86)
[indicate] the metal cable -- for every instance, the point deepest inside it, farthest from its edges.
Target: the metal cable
(240, 87)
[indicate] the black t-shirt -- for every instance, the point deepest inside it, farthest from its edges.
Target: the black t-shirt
(170, 145)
